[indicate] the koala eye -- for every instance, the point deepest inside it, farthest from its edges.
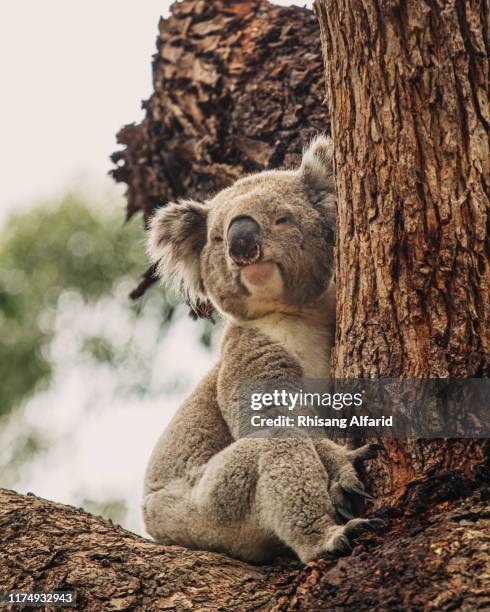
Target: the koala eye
(217, 239)
(282, 220)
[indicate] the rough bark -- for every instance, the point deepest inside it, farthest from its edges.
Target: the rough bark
(238, 87)
(437, 560)
(407, 88)
(49, 546)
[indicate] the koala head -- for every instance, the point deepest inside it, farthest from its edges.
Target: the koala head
(261, 246)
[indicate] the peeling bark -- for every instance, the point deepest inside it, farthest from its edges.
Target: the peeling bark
(238, 87)
(439, 561)
(50, 546)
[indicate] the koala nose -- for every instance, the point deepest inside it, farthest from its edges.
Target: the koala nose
(244, 240)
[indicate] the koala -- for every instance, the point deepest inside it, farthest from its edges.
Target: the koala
(262, 252)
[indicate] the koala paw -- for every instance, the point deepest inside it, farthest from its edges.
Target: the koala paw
(345, 487)
(339, 542)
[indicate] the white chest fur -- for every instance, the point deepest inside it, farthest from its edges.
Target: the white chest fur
(310, 344)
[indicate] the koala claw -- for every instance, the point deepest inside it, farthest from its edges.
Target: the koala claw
(353, 488)
(357, 526)
(361, 492)
(344, 513)
(378, 524)
(339, 543)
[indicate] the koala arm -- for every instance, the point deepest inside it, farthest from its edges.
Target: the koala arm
(196, 433)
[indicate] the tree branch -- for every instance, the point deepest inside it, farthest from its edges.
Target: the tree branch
(435, 559)
(45, 545)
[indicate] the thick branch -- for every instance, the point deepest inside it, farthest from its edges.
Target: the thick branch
(437, 551)
(238, 86)
(51, 546)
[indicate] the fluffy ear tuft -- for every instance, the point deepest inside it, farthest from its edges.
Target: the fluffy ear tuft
(318, 174)
(177, 235)
(317, 164)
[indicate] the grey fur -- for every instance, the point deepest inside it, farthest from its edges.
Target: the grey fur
(205, 486)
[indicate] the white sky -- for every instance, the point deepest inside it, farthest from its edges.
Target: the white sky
(72, 73)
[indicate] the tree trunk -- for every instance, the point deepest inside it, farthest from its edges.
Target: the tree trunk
(407, 91)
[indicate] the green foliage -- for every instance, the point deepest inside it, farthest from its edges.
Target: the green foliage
(100, 349)
(27, 446)
(44, 253)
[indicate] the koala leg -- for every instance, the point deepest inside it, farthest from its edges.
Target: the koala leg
(295, 502)
(212, 508)
(258, 493)
(249, 499)
(169, 513)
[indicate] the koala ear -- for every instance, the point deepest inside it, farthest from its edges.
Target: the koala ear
(318, 175)
(177, 235)
(317, 164)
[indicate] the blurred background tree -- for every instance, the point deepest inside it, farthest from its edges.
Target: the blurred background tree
(53, 249)
(85, 371)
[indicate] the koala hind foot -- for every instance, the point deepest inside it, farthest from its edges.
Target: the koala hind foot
(339, 537)
(344, 485)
